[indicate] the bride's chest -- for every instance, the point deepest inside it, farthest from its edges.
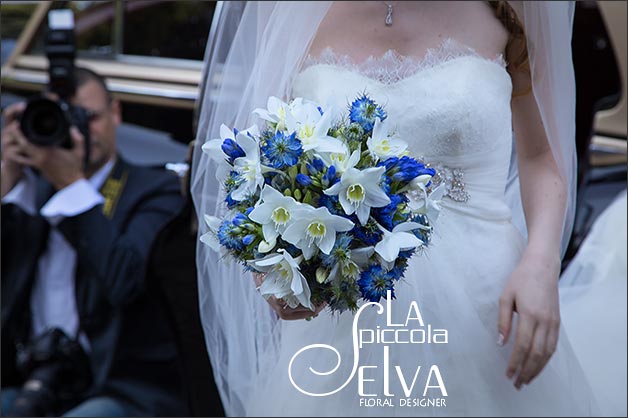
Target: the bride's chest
(458, 106)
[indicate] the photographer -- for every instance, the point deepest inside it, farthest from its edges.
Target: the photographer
(83, 333)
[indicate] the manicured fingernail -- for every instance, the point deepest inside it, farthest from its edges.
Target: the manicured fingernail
(510, 374)
(500, 339)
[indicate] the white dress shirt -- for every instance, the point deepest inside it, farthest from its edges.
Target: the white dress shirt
(53, 302)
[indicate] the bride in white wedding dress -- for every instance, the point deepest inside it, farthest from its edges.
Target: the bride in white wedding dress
(447, 74)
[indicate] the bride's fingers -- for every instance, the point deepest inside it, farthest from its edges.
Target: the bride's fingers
(287, 313)
(537, 357)
(552, 339)
(258, 278)
(506, 305)
(524, 334)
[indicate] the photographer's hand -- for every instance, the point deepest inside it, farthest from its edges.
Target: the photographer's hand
(60, 166)
(12, 138)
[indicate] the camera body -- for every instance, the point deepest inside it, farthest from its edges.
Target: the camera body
(47, 122)
(57, 375)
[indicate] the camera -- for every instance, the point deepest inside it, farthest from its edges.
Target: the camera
(57, 374)
(47, 122)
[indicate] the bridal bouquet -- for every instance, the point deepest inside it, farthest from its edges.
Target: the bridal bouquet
(328, 206)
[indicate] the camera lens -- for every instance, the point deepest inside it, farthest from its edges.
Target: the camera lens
(45, 123)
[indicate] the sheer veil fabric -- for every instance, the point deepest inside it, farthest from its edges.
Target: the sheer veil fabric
(255, 52)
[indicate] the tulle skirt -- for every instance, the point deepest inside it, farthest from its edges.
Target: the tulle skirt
(455, 285)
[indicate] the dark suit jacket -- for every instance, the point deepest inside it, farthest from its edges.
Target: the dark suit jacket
(133, 354)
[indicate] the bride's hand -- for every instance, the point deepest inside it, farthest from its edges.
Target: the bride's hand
(283, 310)
(532, 292)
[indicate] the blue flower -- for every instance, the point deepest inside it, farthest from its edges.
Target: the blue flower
(374, 282)
(248, 239)
(370, 234)
(232, 182)
(303, 180)
(385, 216)
(404, 169)
(239, 219)
(232, 149)
(401, 265)
(318, 164)
(229, 236)
(340, 251)
(330, 176)
(364, 111)
(282, 151)
(332, 204)
(230, 202)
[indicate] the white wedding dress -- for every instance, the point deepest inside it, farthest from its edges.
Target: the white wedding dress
(453, 108)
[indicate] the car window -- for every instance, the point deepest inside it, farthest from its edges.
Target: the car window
(153, 28)
(167, 29)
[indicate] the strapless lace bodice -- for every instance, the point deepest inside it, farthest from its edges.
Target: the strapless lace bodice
(452, 106)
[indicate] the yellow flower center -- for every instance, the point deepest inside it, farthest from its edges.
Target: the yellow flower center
(280, 216)
(316, 230)
(285, 271)
(306, 131)
(384, 147)
(355, 193)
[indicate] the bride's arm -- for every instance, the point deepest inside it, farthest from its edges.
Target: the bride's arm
(532, 289)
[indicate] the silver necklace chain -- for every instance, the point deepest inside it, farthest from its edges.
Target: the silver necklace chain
(389, 20)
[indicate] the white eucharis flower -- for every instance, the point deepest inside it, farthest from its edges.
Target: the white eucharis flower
(311, 128)
(398, 240)
(312, 228)
(342, 161)
(275, 113)
(249, 167)
(273, 214)
(210, 238)
(214, 148)
(424, 202)
(359, 190)
(382, 146)
(284, 279)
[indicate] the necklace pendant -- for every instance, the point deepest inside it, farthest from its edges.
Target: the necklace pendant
(389, 20)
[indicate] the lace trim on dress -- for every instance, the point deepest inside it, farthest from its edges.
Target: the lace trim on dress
(392, 67)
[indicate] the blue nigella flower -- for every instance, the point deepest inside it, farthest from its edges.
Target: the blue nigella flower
(370, 234)
(364, 111)
(229, 236)
(406, 253)
(374, 282)
(282, 151)
(303, 180)
(232, 149)
(339, 252)
(232, 182)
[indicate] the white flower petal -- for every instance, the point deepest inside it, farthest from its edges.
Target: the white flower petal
(327, 243)
(363, 213)
(262, 214)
